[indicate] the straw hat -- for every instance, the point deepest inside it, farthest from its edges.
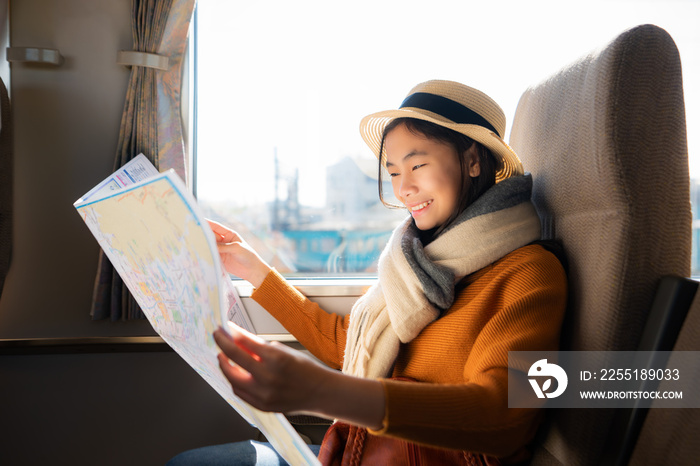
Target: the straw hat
(454, 106)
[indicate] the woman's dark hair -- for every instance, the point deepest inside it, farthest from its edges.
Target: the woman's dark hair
(471, 188)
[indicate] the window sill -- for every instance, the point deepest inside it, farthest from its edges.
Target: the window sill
(317, 287)
(82, 345)
(310, 287)
(93, 345)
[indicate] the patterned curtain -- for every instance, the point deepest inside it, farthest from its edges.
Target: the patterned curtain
(151, 123)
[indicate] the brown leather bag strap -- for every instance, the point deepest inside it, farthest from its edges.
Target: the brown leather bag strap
(358, 445)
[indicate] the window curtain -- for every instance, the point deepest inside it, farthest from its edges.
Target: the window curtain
(6, 173)
(151, 124)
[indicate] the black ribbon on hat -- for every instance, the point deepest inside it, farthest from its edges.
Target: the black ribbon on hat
(453, 111)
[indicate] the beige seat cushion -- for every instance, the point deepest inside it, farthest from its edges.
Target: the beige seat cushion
(605, 139)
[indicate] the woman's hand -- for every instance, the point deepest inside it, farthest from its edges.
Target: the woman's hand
(238, 257)
(270, 376)
(274, 377)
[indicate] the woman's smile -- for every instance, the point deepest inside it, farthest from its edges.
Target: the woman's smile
(419, 208)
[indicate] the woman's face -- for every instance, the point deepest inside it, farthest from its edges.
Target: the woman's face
(425, 175)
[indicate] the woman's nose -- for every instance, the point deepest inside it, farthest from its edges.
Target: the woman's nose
(407, 186)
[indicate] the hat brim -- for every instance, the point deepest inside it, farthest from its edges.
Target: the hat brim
(372, 128)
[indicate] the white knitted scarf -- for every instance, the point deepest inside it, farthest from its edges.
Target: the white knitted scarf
(416, 283)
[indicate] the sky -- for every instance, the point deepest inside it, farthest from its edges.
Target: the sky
(295, 78)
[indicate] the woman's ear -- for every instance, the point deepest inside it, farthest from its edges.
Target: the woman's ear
(472, 157)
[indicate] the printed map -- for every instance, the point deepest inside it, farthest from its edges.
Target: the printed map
(160, 249)
(164, 251)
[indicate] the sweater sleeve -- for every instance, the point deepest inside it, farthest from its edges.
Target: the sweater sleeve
(524, 300)
(322, 333)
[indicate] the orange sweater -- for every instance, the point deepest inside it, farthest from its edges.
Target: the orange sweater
(515, 304)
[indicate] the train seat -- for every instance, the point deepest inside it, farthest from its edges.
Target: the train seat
(605, 140)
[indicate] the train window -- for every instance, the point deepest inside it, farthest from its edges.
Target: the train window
(281, 87)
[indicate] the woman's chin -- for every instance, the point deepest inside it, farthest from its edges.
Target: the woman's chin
(424, 223)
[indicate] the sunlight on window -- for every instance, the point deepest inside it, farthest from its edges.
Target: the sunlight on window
(282, 86)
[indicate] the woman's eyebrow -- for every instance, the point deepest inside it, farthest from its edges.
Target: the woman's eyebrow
(408, 156)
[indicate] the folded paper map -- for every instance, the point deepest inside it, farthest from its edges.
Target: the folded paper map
(153, 232)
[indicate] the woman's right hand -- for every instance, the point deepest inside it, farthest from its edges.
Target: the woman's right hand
(274, 377)
(238, 257)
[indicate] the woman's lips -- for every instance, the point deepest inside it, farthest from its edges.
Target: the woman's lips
(418, 208)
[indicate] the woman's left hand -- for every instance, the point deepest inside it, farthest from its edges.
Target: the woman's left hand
(273, 377)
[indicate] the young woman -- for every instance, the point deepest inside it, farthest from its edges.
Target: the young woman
(424, 353)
